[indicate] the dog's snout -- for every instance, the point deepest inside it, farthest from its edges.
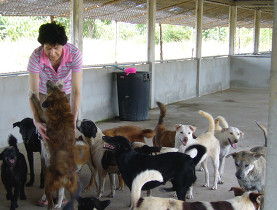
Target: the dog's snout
(236, 141)
(238, 176)
(186, 139)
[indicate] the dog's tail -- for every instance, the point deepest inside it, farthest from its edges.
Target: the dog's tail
(210, 118)
(162, 112)
(148, 133)
(201, 151)
(140, 180)
(12, 141)
(263, 128)
(220, 119)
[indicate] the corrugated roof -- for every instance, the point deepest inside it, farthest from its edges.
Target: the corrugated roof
(174, 12)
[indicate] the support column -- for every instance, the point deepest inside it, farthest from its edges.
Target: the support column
(257, 31)
(232, 29)
(151, 18)
(77, 23)
(271, 158)
(198, 48)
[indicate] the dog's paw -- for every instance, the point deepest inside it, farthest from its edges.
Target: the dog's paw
(189, 196)
(111, 195)
(174, 195)
(220, 182)
(205, 185)
(31, 94)
(85, 190)
(30, 184)
(120, 188)
(214, 188)
(57, 206)
(201, 168)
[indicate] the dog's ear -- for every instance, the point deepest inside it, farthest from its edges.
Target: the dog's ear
(50, 85)
(241, 134)
(177, 126)
(16, 124)
(192, 128)
(257, 199)
(257, 155)
(238, 191)
(59, 84)
(224, 129)
(232, 154)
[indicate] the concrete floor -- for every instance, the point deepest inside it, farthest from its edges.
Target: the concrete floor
(239, 107)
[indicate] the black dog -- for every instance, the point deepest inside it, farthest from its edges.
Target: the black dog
(31, 142)
(13, 172)
(176, 167)
(87, 203)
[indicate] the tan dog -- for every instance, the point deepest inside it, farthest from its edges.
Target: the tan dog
(131, 132)
(243, 200)
(61, 171)
(213, 149)
(228, 137)
(164, 137)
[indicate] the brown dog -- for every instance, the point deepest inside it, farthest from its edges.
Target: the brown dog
(164, 137)
(60, 130)
(131, 132)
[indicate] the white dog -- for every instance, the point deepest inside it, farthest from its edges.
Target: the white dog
(184, 139)
(228, 137)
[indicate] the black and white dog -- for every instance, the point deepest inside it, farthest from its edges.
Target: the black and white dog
(13, 172)
(32, 144)
(176, 167)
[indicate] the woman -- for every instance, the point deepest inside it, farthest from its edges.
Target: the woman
(55, 60)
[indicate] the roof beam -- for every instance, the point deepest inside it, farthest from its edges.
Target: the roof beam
(254, 3)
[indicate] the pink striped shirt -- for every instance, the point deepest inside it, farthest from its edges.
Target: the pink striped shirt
(71, 62)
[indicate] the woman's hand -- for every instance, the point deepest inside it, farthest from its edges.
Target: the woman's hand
(41, 129)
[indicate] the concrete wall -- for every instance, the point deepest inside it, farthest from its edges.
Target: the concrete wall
(174, 81)
(250, 71)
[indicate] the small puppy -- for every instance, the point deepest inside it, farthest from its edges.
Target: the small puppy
(13, 172)
(227, 137)
(164, 137)
(250, 170)
(31, 142)
(131, 132)
(243, 200)
(176, 167)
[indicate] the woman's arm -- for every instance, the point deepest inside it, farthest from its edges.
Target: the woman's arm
(76, 94)
(34, 87)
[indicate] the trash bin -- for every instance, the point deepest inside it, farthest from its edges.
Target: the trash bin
(133, 95)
